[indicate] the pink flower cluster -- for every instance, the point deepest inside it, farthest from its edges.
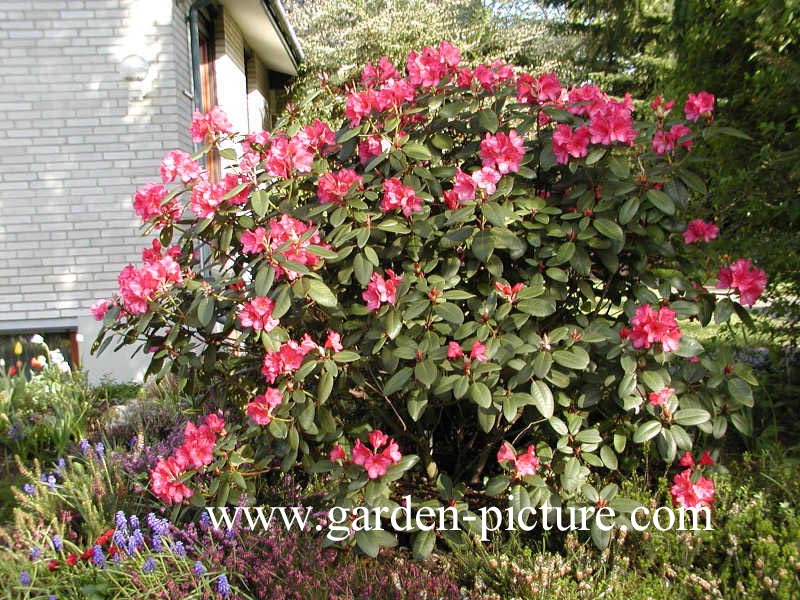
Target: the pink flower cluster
(398, 196)
(215, 121)
(287, 237)
(334, 186)
(376, 460)
(137, 287)
(650, 326)
(509, 291)
(207, 196)
(148, 203)
(742, 276)
(476, 353)
(543, 90)
(196, 452)
(502, 152)
(381, 291)
(665, 141)
(100, 308)
(661, 397)
(687, 460)
(699, 230)
(261, 407)
(525, 464)
(428, 68)
(288, 358)
(178, 163)
(691, 494)
(699, 105)
(257, 314)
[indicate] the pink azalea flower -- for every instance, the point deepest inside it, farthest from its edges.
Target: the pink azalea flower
(509, 291)
(399, 196)
(478, 351)
(650, 326)
(197, 449)
(254, 242)
(215, 423)
(742, 276)
(699, 230)
(371, 147)
(454, 350)
(287, 358)
(257, 314)
(538, 90)
(261, 407)
(165, 481)
(502, 152)
(451, 200)
(318, 138)
(214, 121)
(506, 453)
(698, 105)
(381, 291)
(661, 397)
(375, 461)
(706, 460)
(334, 341)
(611, 122)
(374, 76)
(525, 464)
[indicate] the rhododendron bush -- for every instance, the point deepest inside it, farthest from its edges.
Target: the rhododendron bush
(480, 279)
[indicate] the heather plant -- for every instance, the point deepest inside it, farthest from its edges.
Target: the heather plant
(476, 284)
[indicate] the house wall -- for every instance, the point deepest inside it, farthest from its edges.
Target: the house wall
(79, 139)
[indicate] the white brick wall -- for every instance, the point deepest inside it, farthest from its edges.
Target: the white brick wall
(78, 140)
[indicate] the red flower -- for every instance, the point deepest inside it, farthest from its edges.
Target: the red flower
(650, 326)
(661, 397)
(337, 453)
(399, 196)
(699, 230)
(257, 314)
(166, 481)
(686, 460)
(502, 152)
(706, 460)
(478, 351)
(691, 494)
(744, 277)
(260, 409)
(71, 560)
(525, 464)
(698, 105)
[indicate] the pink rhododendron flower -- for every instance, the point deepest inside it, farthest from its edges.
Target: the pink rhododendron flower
(706, 460)
(333, 341)
(256, 241)
(374, 145)
(502, 152)
(147, 203)
(486, 179)
(374, 76)
(214, 121)
(284, 237)
(660, 109)
(451, 200)
(489, 76)
(742, 276)
(399, 196)
(611, 122)
(100, 308)
(525, 464)
(690, 494)
(381, 291)
(425, 69)
(318, 138)
(376, 461)
(287, 358)
(699, 230)
(179, 164)
(197, 449)
(454, 350)
(538, 90)
(661, 397)
(257, 314)
(215, 423)
(509, 291)
(205, 198)
(285, 157)
(165, 481)
(650, 326)
(337, 453)
(260, 409)
(686, 460)
(665, 141)
(478, 351)
(698, 105)
(334, 186)
(464, 186)
(568, 143)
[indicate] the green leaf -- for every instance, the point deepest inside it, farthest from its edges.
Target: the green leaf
(646, 431)
(424, 542)
(264, 279)
(260, 202)
(397, 381)
(325, 386)
(629, 210)
(449, 312)
(691, 416)
(346, 356)
(619, 168)
(367, 541)
(723, 310)
(483, 245)
(609, 229)
(497, 485)
(362, 269)
(205, 310)
(480, 394)
(425, 371)
(575, 358)
(488, 120)
(543, 398)
(321, 293)
(609, 458)
(742, 423)
(417, 151)
(653, 380)
(661, 201)
(740, 390)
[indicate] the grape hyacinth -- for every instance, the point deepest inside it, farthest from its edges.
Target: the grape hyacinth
(84, 446)
(58, 545)
(25, 578)
(29, 489)
(149, 566)
(223, 587)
